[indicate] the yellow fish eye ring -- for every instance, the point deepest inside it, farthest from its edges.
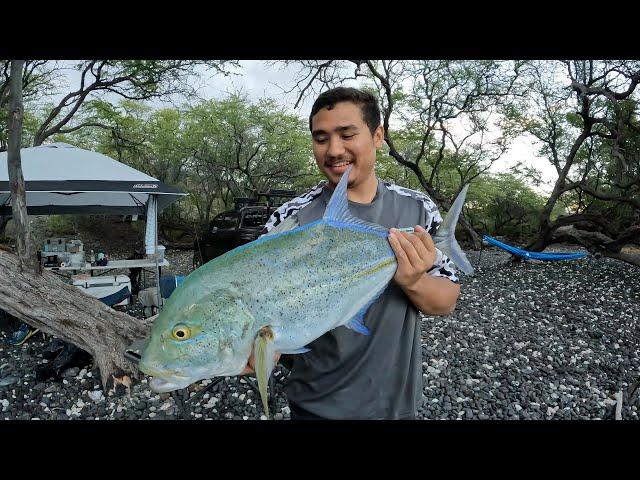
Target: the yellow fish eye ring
(181, 332)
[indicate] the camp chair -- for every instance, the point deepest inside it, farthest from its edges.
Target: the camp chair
(148, 297)
(181, 397)
(117, 297)
(526, 255)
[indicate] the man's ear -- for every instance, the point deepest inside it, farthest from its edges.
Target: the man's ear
(378, 137)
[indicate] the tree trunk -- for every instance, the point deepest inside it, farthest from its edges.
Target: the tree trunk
(4, 219)
(45, 302)
(476, 241)
(595, 242)
(545, 230)
(26, 250)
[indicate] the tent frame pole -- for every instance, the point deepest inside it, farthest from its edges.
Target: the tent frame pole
(156, 255)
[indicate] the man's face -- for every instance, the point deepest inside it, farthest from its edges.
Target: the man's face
(340, 138)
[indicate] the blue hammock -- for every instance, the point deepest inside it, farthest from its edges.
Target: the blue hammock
(534, 255)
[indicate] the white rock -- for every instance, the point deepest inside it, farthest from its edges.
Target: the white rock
(96, 395)
(242, 397)
(152, 414)
(262, 417)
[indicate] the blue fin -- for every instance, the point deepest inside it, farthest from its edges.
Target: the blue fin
(337, 211)
(356, 323)
(297, 350)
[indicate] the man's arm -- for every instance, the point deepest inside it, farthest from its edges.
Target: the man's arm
(434, 295)
(415, 254)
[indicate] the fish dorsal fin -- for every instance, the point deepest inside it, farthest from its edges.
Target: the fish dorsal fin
(337, 212)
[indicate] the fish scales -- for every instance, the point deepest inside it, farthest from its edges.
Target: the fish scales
(311, 275)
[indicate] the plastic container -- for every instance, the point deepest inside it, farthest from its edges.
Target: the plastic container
(75, 246)
(76, 259)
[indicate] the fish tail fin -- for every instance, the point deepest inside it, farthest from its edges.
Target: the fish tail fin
(445, 239)
(264, 351)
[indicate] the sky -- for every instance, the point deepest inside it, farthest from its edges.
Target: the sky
(258, 80)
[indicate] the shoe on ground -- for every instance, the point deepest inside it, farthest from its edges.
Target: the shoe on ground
(22, 334)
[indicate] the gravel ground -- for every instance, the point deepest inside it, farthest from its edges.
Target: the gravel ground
(553, 340)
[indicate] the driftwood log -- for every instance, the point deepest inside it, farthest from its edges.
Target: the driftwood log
(45, 301)
(595, 242)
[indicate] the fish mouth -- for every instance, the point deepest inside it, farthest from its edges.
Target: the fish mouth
(164, 380)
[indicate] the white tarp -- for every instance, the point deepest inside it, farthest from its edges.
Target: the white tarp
(61, 178)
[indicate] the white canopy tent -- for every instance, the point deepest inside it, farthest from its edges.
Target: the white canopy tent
(63, 179)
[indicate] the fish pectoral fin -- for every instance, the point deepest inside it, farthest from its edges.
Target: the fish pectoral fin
(295, 351)
(357, 323)
(264, 352)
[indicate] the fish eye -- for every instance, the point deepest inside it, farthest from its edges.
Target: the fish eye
(181, 332)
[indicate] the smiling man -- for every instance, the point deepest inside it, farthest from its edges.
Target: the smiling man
(346, 375)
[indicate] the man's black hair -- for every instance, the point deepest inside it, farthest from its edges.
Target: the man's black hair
(366, 101)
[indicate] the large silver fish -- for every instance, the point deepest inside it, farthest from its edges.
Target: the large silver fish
(278, 294)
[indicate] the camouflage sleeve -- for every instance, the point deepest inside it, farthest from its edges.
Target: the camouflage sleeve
(442, 266)
(289, 209)
(274, 220)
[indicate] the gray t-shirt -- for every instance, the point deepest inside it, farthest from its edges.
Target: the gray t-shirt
(347, 375)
